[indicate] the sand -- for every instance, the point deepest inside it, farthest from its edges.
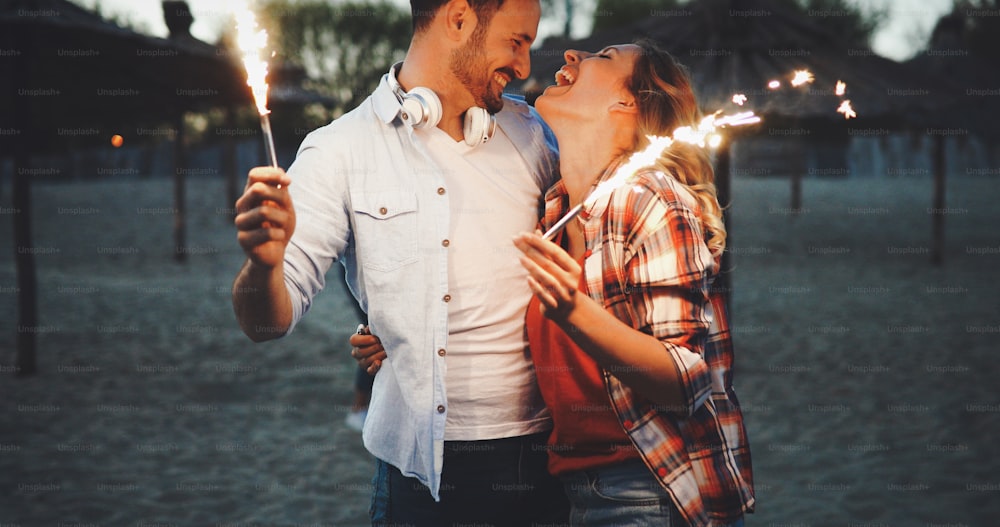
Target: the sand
(866, 373)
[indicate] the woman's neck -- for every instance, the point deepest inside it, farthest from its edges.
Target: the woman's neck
(583, 158)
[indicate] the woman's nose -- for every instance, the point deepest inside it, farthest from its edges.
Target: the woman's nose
(574, 56)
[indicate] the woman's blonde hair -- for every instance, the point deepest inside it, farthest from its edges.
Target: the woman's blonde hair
(665, 102)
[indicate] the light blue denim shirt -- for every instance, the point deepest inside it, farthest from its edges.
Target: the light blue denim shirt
(368, 196)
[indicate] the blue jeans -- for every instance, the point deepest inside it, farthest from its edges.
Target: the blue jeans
(499, 482)
(621, 494)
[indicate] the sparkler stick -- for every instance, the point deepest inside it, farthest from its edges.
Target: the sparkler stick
(252, 41)
(265, 127)
(558, 226)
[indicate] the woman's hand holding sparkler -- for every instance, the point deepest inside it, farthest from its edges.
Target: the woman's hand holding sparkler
(265, 218)
(367, 350)
(553, 275)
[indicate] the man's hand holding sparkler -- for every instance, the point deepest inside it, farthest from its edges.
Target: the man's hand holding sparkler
(265, 217)
(265, 221)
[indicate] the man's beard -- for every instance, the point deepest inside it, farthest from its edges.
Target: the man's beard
(467, 63)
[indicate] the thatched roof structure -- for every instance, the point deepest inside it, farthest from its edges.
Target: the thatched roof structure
(65, 68)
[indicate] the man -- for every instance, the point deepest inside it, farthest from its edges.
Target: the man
(422, 222)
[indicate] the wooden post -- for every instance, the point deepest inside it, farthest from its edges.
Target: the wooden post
(796, 193)
(180, 249)
(24, 259)
(24, 255)
(723, 188)
(937, 211)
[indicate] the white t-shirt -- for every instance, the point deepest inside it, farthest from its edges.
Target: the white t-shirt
(490, 379)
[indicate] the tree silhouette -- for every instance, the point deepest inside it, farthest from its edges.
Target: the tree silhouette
(346, 47)
(982, 19)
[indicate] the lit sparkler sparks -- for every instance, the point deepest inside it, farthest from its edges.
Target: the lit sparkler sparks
(252, 42)
(841, 88)
(801, 77)
(846, 109)
(739, 99)
(706, 133)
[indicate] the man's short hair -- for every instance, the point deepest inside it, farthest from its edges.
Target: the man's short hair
(424, 11)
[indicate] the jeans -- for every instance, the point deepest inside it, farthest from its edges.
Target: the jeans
(624, 494)
(500, 482)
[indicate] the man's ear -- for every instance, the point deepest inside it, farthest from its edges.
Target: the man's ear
(460, 19)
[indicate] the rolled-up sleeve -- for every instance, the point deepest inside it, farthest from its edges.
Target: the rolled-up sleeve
(669, 268)
(319, 192)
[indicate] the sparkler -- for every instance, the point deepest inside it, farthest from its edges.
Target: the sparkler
(252, 42)
(706, 133)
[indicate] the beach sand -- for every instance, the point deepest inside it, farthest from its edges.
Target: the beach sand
(866, 373)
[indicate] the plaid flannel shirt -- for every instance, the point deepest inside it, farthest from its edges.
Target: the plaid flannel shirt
(647, 263)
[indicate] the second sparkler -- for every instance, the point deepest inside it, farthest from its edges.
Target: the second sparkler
(252, 42)
(706, 134)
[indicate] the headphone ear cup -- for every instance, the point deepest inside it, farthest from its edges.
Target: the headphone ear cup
(421, 107)
(479, 126)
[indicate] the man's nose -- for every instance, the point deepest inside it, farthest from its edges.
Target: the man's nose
(522, 63)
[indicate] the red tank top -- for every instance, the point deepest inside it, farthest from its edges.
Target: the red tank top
(586, 432)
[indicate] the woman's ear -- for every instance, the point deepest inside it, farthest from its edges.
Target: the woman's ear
(625, 106)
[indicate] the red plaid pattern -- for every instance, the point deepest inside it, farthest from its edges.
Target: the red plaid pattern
(648, 264)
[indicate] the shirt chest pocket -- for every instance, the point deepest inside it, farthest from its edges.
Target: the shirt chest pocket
(386, 229)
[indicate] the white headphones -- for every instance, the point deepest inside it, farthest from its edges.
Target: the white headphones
(421, 107)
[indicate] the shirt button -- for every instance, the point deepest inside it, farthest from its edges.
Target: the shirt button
(383, 211)
(441, 191)
(447, 298)
(440, 408)
(445, 243)
(662, 472)
(441, 352)
(628, 424)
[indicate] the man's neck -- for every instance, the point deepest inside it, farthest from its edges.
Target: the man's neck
(422, 68)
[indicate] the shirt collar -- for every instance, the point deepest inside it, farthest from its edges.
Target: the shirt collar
(600, 205)
(556, 204)
(386, 104)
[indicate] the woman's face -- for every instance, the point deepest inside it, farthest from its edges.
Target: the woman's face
(589, 85)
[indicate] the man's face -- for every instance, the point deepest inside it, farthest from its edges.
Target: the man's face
(497, 53)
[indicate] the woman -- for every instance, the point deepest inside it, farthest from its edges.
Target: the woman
(631, 347)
